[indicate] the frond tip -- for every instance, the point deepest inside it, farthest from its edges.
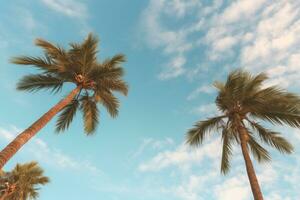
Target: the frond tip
(90, 114)
(227, 151)
(196, 135)
(66, 116)
(273, 139)
(33, 83)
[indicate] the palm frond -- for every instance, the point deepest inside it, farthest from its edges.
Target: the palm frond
(195, 136)
(90, 114)
(114, 61)
(273, 138)
(33, 83)
(113, 85)
(66, 116)
(255, 83)
(279, 118)
(100, 72)
(109, 101)
(39, 62)
(89, 51)
(27, 177)
(259, 153)
(52, 50)
(227, 151)
(272, 98)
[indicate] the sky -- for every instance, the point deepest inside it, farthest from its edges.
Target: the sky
(175, 50)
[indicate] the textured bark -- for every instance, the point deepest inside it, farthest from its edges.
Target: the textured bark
(12, 148)
(249, 166)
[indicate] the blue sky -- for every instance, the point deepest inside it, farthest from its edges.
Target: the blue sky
(175, 50)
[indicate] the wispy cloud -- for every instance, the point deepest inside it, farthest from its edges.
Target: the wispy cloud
(195, 173)
(259, 35)
(70, 8)
(40, 150)
(173, 42)
(204, 89)
(183, 157)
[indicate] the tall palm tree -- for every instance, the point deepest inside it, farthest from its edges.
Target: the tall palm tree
(94, 82)
(25, 178)
(243, 100)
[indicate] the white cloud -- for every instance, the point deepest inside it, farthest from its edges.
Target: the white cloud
(206, 89)
(153, 144)
(241, 10)
(182, 157)
(174, 43)
(233, 188)
(71, 8)
(174, 68)
(39, 150)
(259, 35)
(194, 173)
(207, 110)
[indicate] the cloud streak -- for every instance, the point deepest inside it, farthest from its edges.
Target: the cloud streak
(70, 8)
(38, 149)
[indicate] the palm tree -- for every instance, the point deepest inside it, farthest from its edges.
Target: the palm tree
(94, 82)
(243, 100)
(25, 178)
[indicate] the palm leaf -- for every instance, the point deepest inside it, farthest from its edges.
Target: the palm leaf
(109, 101)
(114, 61)
(259, 153)
(273, 139)
(52, 50)
(33, 83)
(89, 51)
(196, 135)
(90, 114)
(44, 64)
(279, 118)
(114, 85)
(66, 116)
(227, 151)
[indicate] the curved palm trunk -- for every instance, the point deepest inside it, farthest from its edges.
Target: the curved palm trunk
(249, 166)
(12, 148)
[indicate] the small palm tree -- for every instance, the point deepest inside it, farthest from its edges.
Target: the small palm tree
(94, 82)
(25, 178)
(242, 100)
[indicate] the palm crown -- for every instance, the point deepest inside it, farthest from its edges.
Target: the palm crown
(25, 177)
(79, 65)
(243, 99)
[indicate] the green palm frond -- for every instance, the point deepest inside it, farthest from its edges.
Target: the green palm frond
(109, 101)
(227, 150)
(42, 63)
(100, 71)
(279, 118)
(78, 65)
(66, 116)
(88, 53)
(36, 82)
(272, 98)
(113, 85)
(255, 83)
(273, 139)
(195, 136)
(114, 61)
(259, 153)
(51, 50)
(90, 114)
(27, 177)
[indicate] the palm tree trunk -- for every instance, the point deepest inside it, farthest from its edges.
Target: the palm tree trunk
(12, 148)
(249, 166)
